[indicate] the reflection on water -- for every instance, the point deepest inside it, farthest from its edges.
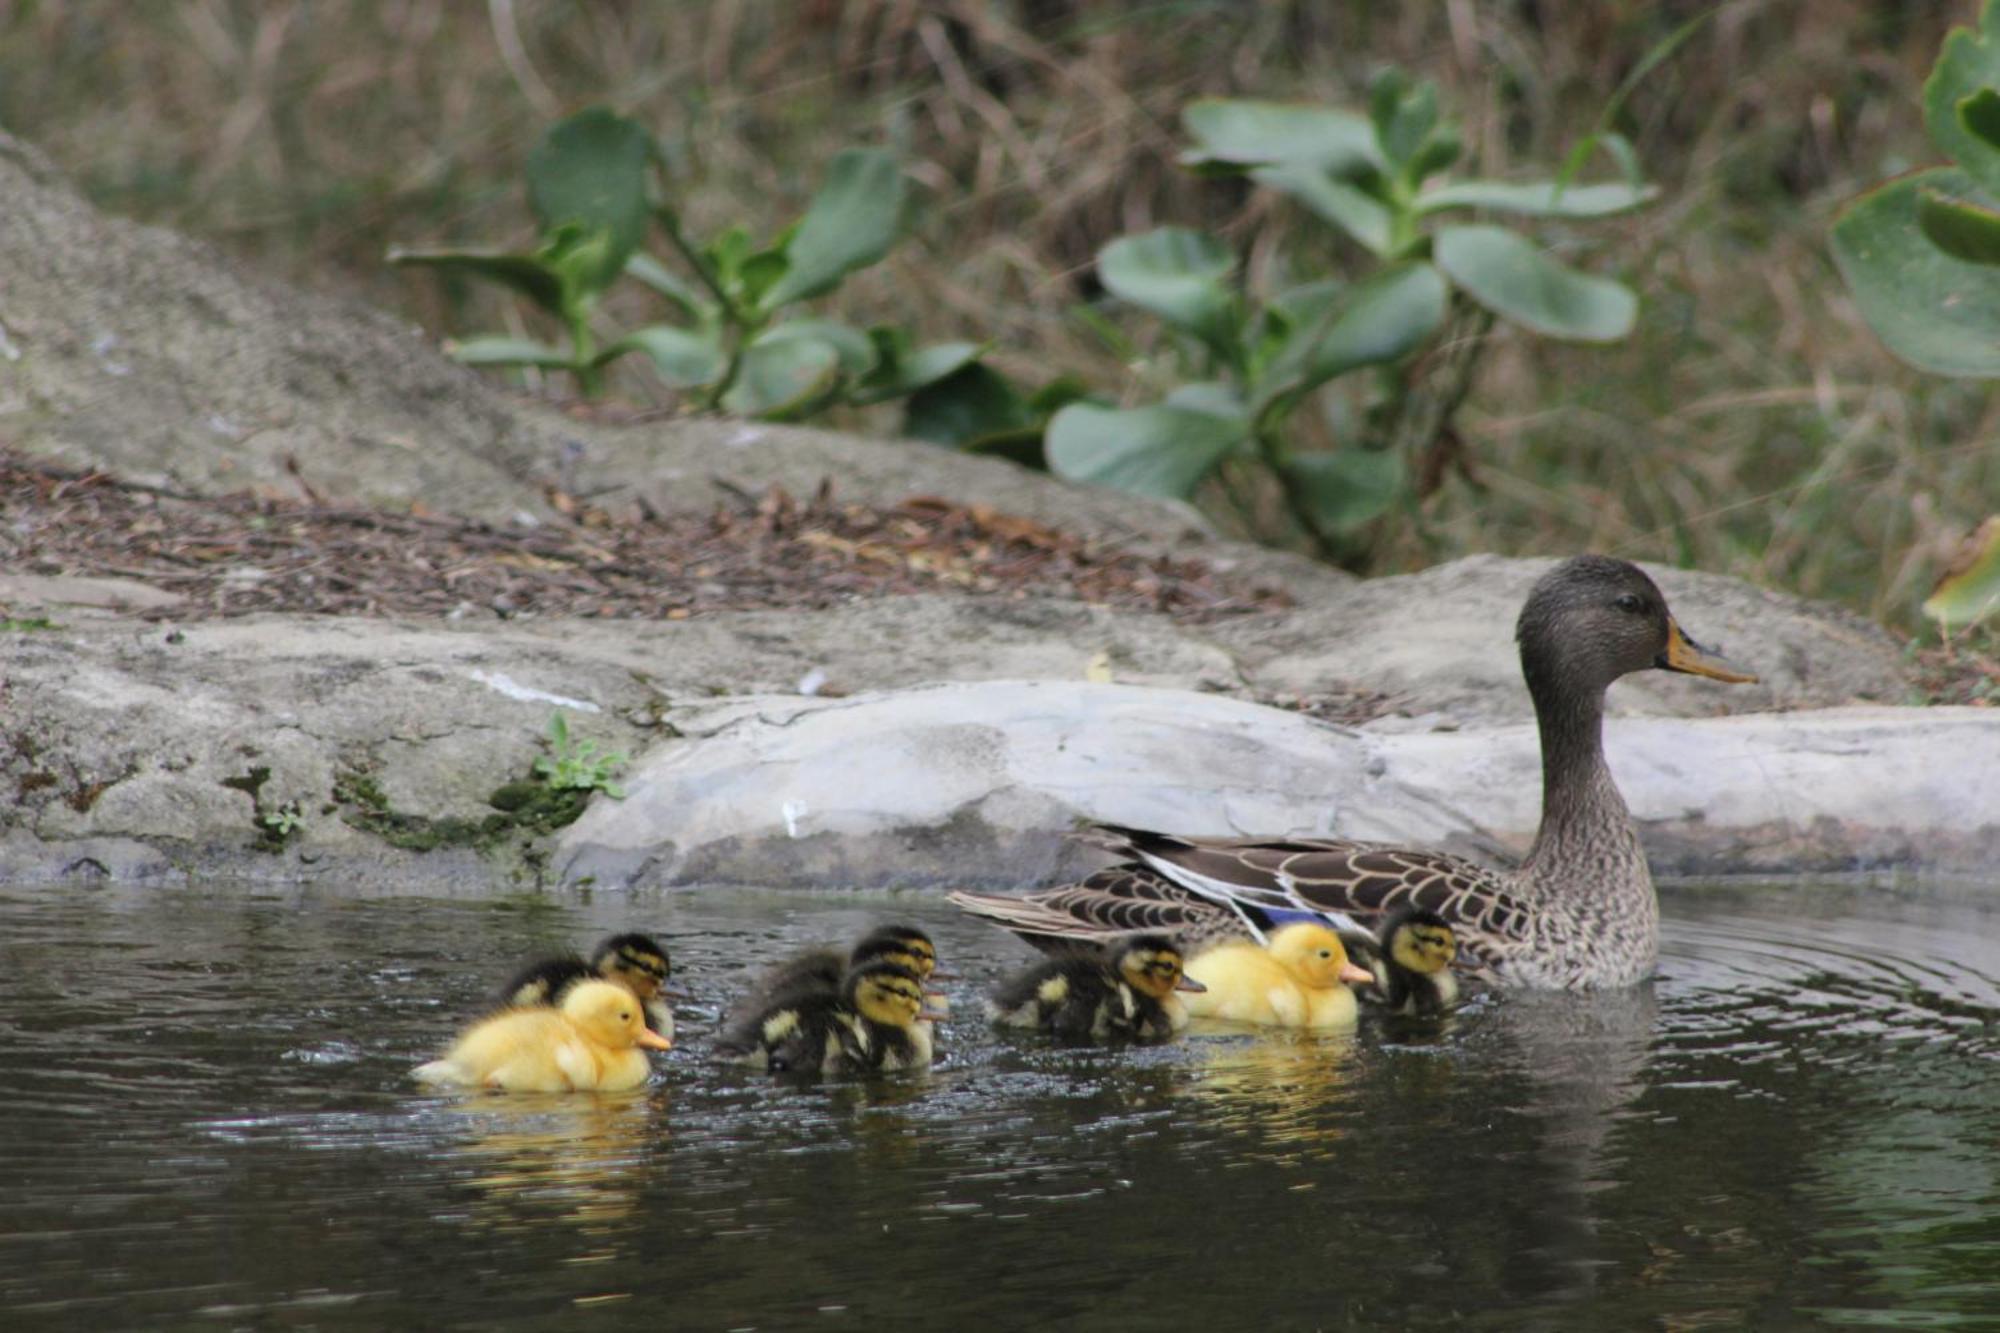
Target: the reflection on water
(208, 1121)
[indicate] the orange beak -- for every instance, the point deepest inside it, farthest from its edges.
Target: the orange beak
(653, 1041)
(1684, 654)
(1356, 976)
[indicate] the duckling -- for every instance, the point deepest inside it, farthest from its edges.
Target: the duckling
(634, 961)
(1122, 990)
(1300, 980)
(876, 1020)
(592, 1041)
(820, 971)
(1411, 963)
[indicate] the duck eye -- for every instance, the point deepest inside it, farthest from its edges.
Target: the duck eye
(1630, 601)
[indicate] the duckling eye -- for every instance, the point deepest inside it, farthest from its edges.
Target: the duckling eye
(1630, 601)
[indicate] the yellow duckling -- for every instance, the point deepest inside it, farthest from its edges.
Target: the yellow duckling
(592, 1042)
(1299, 981)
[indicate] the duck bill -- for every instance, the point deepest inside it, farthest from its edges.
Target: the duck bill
(1684, 654)
(932, 1014)
(1356, 976)
(1188, 983)
(653, 1041)
(674, 990)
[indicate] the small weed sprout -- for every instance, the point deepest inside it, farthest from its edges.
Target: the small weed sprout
(575, 765)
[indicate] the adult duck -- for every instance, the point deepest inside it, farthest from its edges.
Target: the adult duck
(1580, 911)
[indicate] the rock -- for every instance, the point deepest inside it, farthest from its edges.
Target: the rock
(286, 747)
(977, 784)
(1443, 640)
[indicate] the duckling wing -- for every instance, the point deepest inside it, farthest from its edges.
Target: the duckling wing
(814, 972)
(544, 981)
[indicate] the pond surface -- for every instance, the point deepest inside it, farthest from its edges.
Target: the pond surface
(206, 1121)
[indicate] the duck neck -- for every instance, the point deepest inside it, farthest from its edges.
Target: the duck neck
(1583, 815)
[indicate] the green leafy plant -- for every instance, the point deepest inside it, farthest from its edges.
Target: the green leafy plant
(1922, 256)
(1922, 252)
(575, 765)
(1378, 179)
(592, 189)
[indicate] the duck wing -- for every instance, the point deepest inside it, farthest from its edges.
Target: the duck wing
(1120, 900)
(1351, 884)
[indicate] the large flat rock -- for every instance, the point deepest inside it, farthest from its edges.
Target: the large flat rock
(977, 784)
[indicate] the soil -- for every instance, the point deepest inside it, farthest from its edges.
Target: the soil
(247, 553)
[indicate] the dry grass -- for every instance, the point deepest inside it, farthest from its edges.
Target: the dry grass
(1752, 426)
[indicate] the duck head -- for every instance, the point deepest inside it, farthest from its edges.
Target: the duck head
(905, 946)
(887, 994)
(1420, 941)
(1315, 955)
(610, 1016)
(1592, 619)
(1152, 965)
(634, 961)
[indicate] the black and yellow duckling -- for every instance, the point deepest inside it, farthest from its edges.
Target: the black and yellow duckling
(1411, 962)
(1299, 980)
(824, 969)
(1119, 991)
(634, 961)
(595, 1041)
(875, 1021)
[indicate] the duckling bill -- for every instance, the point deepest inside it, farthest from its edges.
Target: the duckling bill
(596, 1041)
(1123, 991)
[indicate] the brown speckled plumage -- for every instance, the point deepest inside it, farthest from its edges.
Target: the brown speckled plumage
(1580, 910)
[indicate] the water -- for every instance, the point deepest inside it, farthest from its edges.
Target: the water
(206, 1122)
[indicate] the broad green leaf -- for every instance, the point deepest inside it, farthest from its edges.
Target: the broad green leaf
(685, 359)
(684, 294)
(1180, 275)
(1157, 450)
(1213, 397)
(899, 370)
(1239, 132)
(1962, 228)
(784, 380)
(1347, 487)
(1542, 199)
(856, 349)
(1968, 65)
(1970, 590)
(499, 350)
(1980, 114)
(1411, 115)
(975, 404)
(580, 255)
(1938, 313)
(1346, 206)
(1439, 151)
(1512, 277)
(591, 169)
(1373, 322)
(850, 224)
(527, 274)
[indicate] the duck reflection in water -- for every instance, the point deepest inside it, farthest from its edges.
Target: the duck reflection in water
(538, 1156)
